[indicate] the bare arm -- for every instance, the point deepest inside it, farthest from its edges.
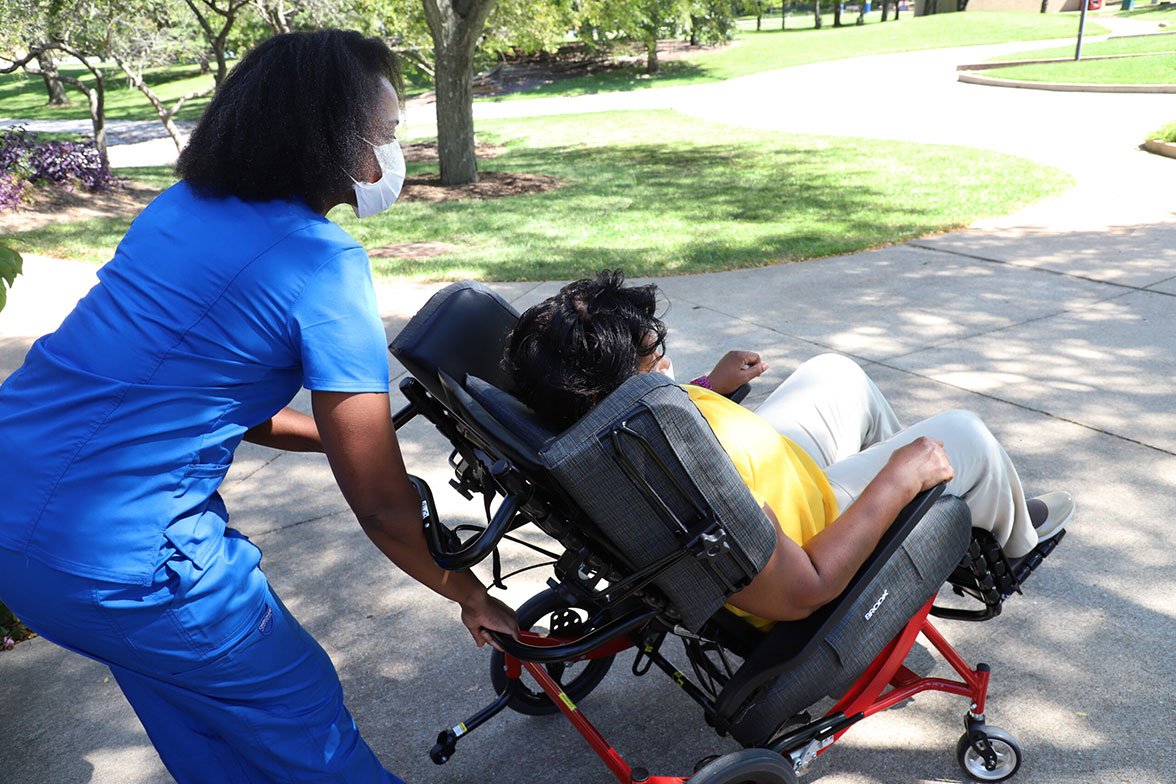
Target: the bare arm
(360, 442)
(798, 580)
(289, 429)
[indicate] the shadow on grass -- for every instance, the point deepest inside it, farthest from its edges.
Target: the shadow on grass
(660, 209)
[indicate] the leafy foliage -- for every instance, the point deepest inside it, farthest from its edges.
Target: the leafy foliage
(11, 265)
(1164, 134)
(11, 629)
(28, 161)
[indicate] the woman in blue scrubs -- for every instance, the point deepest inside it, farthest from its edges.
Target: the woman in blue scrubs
(229, 293)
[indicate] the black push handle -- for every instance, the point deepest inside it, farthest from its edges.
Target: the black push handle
(444, 545)
(551, 654)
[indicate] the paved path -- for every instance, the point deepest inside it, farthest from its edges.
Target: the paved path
(1055, 325)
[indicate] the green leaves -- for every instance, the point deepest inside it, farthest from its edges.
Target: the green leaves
(11, 265)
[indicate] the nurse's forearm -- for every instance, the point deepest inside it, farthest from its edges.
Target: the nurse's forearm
(402, 541)
(290, 430)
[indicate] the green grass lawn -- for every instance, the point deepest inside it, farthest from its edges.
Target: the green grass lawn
(23, 97)
(1162, 12)
(754, 52)
(658, 193)
(1149, 69)
(1144, 45)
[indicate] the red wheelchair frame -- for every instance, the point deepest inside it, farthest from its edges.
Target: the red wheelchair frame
(865, 698)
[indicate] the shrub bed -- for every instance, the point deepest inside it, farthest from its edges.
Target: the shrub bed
(28, 162)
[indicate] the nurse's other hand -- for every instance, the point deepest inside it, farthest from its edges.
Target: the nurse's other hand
(735, 369)
(484, 612)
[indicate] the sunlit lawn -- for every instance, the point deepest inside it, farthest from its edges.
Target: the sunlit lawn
(754, 52)
(23, 97)
(1149, 69)
(656, 194)
(1139, 45)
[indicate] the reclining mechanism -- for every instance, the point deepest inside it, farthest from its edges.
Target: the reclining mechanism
(653, 530)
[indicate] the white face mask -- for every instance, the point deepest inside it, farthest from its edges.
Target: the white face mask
(372, 198)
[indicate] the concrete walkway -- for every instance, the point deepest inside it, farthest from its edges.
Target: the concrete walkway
(1055, 325)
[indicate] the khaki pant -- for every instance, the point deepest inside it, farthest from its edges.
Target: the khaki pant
(835, 413)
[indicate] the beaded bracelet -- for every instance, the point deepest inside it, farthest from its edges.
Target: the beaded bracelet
(702, 381)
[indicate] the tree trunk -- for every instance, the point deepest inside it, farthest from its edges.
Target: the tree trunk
(885, 10)
(896, 2)
(817, 14)
(652, 65)
(759, 15)
(456, 26)
(783, 14)
(837, 13)
(97, 98)
(1044, 6)
(53, 86)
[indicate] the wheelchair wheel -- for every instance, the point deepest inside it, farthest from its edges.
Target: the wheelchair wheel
(542, 612)
(1008, 756)
(746, 765)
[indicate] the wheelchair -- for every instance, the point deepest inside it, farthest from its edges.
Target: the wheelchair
(653, 529)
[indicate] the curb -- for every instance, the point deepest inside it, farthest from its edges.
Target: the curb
(1010, 63)
(992, 81)
(1167, 149)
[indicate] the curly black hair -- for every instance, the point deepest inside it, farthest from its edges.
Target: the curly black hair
(287, 121)
(572, 350)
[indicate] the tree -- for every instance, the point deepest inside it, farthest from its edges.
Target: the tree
(645, 21)
(53, 86)
(145, 33)
(817, 14)
(443, 41)
(456, 26)
(95, 95)
(206, 12)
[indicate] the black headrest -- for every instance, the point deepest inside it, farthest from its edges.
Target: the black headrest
(462, 330)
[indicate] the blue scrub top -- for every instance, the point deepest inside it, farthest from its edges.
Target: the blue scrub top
(120, 426)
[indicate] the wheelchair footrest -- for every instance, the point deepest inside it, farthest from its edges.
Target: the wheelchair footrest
(988, 575)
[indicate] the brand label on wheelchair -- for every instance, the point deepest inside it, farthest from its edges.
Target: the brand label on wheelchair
(567, 701)
(877, 604)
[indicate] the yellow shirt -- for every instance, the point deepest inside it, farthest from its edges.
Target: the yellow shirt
(777, 471)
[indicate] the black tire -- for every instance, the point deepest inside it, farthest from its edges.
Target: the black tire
(577, 679)
(1008, 753)
(746, 765)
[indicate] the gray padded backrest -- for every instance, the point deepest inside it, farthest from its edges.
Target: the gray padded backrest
(586, 462)
(463, 328)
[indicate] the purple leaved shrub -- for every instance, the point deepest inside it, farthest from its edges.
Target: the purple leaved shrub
(27, 161)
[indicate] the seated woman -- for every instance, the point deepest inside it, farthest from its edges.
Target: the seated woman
(825, 454)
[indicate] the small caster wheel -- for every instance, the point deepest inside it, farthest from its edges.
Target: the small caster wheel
(997, 758)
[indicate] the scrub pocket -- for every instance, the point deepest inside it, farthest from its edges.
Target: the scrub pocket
(191, 612)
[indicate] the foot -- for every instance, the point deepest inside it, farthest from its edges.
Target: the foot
(1050, 513)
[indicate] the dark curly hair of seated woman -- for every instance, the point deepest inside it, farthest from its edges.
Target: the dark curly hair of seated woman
(572, 350)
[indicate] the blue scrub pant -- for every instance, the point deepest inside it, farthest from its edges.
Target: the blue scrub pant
(228, 685)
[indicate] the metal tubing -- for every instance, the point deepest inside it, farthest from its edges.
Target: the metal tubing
(603, 750)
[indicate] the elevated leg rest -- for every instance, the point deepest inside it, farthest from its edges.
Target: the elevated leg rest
(988, 575)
